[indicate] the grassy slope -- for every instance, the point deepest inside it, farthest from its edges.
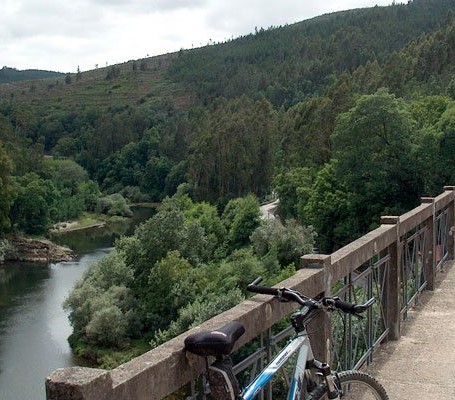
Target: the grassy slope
(94, 90)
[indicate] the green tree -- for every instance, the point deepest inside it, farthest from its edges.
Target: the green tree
(239, 269)
(36, 204)
(373, 143)
(213, 226)
(329, 211)
(102, 308)
(166, 289)
(294, 188)
(446, 127)
(6, 188)
(286, 242)
(67, 175)
(241, 217)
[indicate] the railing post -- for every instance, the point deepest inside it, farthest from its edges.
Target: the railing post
(79, 383)
(451, 224)
(392, 291)
(321, 343)
(429, 258)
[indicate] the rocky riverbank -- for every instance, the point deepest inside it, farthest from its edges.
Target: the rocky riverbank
(37, 251)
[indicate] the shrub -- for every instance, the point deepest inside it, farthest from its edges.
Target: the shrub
(114, 204)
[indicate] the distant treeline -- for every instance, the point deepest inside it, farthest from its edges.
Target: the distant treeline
(9, 75)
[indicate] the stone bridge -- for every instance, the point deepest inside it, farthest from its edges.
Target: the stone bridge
(398, 263)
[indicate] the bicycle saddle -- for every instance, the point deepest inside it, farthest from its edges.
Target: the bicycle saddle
(214, 343)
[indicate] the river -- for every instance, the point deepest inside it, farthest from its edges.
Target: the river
(33, 326)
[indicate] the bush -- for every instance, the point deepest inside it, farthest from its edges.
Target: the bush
(114, 204)
(103, 310)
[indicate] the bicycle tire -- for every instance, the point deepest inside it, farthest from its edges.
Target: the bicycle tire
(356, 386)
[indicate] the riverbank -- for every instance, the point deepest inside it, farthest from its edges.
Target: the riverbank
(70, 226)
(40, 251)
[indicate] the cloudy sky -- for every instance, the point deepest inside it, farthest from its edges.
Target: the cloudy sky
(61, 35)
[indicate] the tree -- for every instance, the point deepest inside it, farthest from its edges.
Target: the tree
(67, 175)
(293, 189)
(286, 242)
(213, 226)
(6, 189)
(241, 217)
(233, 154)
(36, 204)
(446, 127)
(373, 144)
(329, 210)
(166, 288)
(102, 308)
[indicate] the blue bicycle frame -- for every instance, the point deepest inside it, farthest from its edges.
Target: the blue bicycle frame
(300, 342)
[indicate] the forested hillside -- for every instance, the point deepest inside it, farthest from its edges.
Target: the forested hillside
(344, 117)
(9, 75)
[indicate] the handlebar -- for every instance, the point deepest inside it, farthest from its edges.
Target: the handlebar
(328, 303)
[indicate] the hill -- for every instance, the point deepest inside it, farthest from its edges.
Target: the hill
(9, 75)
(130, 83)
(286, 64)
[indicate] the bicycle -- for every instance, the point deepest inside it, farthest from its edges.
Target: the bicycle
(312, 379)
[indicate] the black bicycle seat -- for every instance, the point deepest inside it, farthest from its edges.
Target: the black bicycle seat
(214, 343)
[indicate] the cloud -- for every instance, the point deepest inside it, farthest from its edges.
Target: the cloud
(151, 6)
(60, 35)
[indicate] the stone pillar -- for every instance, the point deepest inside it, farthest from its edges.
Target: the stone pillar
(321, 324)
(451, 224)
(79, 383)
(392, 291)
(429, 258)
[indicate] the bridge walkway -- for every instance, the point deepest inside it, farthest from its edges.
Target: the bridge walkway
(421, 365)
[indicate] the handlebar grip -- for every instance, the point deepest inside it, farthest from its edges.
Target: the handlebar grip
(353, 308)
(262, 289)
(253, 287)
(345, 306)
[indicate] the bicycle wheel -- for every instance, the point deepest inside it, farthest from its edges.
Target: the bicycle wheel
(355, 385)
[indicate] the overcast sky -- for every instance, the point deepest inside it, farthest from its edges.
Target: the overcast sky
(61, 35)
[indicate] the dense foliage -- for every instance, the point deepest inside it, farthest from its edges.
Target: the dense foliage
(182, 266)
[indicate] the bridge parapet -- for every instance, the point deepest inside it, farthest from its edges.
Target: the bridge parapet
(401, 252)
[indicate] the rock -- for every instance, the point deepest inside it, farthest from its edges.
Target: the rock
(37, 250)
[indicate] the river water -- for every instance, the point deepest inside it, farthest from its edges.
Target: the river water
(33, 326)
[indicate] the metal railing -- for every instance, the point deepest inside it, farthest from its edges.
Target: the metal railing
(414, 280)
(354, 340)
(442, 237)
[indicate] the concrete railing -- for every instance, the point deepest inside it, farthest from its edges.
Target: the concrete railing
(167, 368)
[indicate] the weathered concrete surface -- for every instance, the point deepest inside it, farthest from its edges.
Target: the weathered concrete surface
(421, 365)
